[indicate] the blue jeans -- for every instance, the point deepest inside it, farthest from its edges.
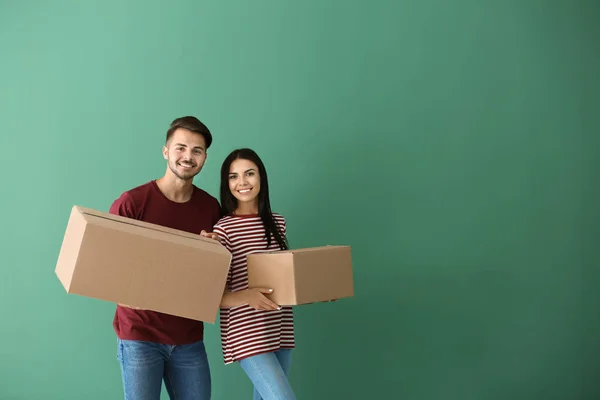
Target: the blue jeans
(144, 366)
(269, 374)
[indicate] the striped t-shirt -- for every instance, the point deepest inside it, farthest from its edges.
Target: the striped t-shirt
(245, 331)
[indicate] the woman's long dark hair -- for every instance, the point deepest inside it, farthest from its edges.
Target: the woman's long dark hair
(229, 202)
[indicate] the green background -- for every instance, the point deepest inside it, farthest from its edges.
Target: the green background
(452, 144)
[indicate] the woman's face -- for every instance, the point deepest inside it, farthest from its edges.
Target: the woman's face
(244, 181)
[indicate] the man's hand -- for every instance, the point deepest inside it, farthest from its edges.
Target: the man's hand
(257, 300)
(132, 307)
(210, 235)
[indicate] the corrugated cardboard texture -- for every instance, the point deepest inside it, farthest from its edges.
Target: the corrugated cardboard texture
(273, 271)
(132, 262)
(305, 275)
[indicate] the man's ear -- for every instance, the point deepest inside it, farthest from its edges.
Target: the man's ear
(165, 152)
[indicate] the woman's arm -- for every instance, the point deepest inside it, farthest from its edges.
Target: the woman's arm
(254, 297)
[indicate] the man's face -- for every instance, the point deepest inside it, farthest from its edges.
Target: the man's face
(185, 153)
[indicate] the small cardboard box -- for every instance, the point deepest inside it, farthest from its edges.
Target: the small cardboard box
(123, 260)
(303, 276)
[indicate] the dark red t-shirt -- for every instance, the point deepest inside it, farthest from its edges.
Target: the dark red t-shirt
(148, 203)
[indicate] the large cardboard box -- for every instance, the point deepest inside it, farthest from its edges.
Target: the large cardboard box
(303, 276)
(123, 260)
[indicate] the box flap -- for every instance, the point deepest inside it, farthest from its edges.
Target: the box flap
(304, 250)
(144, 224)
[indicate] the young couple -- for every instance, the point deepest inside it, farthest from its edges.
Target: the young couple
(154, 347)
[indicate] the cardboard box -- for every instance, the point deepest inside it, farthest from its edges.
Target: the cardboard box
(123, 260)
(303, 276)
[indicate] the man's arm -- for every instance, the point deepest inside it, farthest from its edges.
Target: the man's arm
(124, 206)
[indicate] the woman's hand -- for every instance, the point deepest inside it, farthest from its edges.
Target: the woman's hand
(256, 299)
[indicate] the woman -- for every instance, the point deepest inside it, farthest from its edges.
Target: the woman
(255, 332)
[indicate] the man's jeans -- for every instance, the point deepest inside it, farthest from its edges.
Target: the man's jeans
(269, 374)
(184, 369)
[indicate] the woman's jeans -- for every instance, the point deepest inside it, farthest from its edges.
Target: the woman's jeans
(269, 374)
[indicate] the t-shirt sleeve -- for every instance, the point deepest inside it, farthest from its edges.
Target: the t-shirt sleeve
(217, 212)
(224, 238)
(283, 227)
(124, 206)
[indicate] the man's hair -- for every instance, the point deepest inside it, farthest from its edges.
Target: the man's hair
(191, 124)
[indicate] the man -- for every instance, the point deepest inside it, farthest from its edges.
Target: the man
(153, 346)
